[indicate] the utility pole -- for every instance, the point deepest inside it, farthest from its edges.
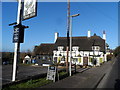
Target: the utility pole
(17, 44)
(93, 52)
(70, 71)
(68, 27)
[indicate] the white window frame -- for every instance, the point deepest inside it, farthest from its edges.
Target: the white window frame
(75, 48)
(60, 48)
(96, 48)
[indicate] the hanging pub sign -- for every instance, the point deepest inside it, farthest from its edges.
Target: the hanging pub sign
(18, 35)
(29, 9)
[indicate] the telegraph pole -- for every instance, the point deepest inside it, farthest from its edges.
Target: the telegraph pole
(68, 27)
(70, 71)
(17, 44)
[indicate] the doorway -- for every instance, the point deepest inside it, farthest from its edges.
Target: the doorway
(85, 61)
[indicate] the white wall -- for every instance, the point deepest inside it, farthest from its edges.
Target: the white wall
(83, 54)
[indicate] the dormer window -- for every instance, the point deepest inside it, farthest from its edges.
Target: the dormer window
(60, 48)
(96, 48)
(75, 48)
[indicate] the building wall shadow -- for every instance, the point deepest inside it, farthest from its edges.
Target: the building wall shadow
(117, 84)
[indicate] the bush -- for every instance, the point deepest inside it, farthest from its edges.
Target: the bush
(117, 51)
(109, 57)
(7, 57)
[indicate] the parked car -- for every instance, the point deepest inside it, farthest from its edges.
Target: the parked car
(5, 62)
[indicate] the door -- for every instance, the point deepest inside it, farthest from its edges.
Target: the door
(85, 61)
(55, 59)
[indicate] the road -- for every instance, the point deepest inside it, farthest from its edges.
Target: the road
(92, 78)
(112, 77)
(88, 79)
(23, 72)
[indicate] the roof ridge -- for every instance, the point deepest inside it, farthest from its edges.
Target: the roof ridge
(96, 36)
(47, 43)
(74, 37)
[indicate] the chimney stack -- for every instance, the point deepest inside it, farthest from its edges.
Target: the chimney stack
(89, 33)
(104, 35)
(56, 36)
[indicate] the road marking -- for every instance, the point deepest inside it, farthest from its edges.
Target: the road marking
(95, 88)
(113, 63)
(83, 70)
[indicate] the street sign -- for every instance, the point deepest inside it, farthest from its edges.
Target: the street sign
(29, 9)
(18, 35)
(51, 73)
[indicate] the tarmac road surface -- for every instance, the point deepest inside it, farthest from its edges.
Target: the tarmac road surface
(88, 79)
(112, 77)
(23, 72)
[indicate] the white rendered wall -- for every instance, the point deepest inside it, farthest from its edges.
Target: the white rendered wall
(82, 54)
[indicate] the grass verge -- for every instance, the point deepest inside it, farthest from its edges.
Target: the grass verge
(34, 83)
(30, 84)
(62, 73)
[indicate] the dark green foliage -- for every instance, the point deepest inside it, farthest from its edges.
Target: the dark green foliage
(117, 51)
(33, 83)
(30, 84)
(7, 57)
(109, 57)
(36, 50)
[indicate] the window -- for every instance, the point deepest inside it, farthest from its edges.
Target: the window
(55, 54)
(43, 57)
(75, 48)
(96, 48)
(60, 55)
(75, 60)
(63, 58)
(93, 48)
(60, 48)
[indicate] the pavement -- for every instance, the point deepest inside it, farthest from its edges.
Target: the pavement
(112, 78)
(88, 79)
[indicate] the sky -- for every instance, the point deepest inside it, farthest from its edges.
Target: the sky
(52, 17)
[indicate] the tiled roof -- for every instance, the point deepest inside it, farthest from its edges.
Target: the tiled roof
(84, 44)
(46, 48)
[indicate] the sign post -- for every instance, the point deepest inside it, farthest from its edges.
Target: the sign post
(17, 44)
(26, 10)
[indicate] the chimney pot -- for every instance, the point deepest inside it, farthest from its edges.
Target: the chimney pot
(104, 35)
(56, 36)
(89, 33)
